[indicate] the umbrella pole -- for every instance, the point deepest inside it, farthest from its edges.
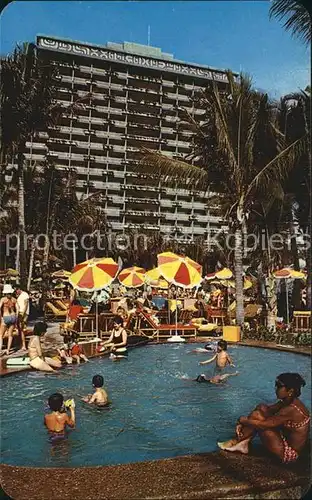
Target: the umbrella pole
(96, 317)
(176, 312)
(287, 302)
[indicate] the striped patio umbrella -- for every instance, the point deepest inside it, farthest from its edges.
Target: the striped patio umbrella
(182, 271)
(154, 278)
(61, 274)
(223, 274)
(94, 274)
(132, 277)
(288, 273)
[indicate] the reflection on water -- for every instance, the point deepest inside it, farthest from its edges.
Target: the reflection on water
(157, 410)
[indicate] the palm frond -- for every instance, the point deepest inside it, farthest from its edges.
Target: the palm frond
(172, 171)
(296, 16)
(279, 167)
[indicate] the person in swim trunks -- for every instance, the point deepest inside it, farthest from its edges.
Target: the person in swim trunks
(221, 357)
(8, 313)
(99, 397)
(282, 427)
(57, 421)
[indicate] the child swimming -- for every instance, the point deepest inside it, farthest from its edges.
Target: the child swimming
(217, 379)
(222, 357)
(57, 421)
(99, 397)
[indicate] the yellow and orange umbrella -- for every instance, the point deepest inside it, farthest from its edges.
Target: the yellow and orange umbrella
(94, 274)
(182, 271)
(223, 274)
(154, 278)
(132, 277)
(286, 272)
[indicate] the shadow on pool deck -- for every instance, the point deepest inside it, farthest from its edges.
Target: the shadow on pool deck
(204, 476)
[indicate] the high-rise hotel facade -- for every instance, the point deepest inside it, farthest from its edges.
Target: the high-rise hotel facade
(129, 96)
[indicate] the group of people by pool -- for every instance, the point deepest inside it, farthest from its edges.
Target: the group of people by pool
(282, 427)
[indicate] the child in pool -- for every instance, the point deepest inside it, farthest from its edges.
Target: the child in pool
(99, 397)
(76, 351)
(57, 421)
(222, 357)
(217, 379)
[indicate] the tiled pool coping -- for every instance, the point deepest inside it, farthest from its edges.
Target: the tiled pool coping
(214, 475)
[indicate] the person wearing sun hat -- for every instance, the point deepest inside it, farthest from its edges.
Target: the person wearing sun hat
(9, 314)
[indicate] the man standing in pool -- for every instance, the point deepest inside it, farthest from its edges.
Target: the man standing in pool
(57, 421)
(222, 357)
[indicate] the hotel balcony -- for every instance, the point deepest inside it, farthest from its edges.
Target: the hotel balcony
(143, 201)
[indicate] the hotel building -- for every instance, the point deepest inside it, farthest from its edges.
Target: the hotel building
(128, 96)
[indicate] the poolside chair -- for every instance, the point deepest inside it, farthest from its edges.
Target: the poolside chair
(62, 306)
(147, 326)
(53, 313)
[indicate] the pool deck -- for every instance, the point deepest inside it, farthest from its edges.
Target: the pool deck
(217, 475)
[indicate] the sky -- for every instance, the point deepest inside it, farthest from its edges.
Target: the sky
(235, 34)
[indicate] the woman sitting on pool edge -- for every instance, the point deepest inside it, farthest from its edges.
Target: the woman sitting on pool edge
(37, 360)
(282, 427)
(117, 341)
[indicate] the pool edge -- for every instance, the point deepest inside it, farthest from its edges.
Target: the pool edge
(203, 476)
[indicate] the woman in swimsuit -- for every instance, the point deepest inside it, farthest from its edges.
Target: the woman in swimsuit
(283, 427)
(37, 360)
(8, 314)
(117, 340)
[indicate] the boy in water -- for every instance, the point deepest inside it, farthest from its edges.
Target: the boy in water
(217, 379)
(57, 421)
(99, 397)
(222, 357)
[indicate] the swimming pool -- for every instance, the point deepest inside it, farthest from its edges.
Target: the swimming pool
(155, 412)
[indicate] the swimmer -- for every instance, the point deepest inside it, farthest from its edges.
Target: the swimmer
(99, 397)
(222, 357)
(57, 421)
(208, 347)
(217, 379)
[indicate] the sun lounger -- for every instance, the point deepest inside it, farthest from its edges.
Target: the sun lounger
(146, 325)
(53, 313)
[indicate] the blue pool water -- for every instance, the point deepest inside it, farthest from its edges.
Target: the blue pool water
(155, 412)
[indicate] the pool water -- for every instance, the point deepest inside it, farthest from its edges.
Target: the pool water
(156, 412)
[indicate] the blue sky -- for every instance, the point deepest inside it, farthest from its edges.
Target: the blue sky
(224, 34)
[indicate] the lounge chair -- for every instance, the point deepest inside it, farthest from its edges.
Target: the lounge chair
(53, 313)
(145, 325)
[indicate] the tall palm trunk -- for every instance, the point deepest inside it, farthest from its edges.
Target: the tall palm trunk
(271, 301)
(239, 287)
(296, 296)
(21, 221)
(308, 260)
(31, 264)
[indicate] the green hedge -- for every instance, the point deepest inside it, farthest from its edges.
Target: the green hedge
(265, 334)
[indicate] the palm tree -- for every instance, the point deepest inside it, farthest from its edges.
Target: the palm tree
(296, 121)
(28, 106)
(239, 153)
(297, 17)
(27, 86)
